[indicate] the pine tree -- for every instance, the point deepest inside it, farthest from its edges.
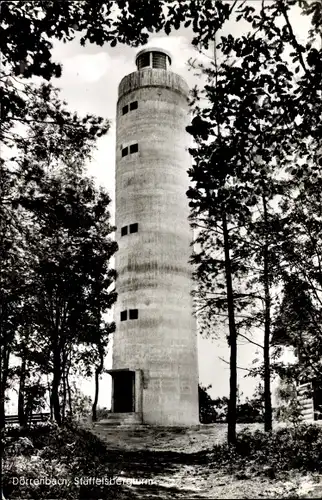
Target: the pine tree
(245, 135)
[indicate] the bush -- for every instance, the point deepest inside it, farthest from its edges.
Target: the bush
(207, 412)
(60, 454)
(33, 429)
(284, 449)
(17, 446)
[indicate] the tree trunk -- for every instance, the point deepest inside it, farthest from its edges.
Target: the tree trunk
(70, 403)
(56, 384)
(94, 407)
(55, 398)
(21, 394)
(28, 410)
(50, 402)
(63, 407)
(98, 371)
(64, 376)
(5, 355)
(232, 413)
(267, 327)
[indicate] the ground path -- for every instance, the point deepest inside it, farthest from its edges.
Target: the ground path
(178, 463)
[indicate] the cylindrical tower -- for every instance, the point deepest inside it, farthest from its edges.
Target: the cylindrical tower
(155, 372)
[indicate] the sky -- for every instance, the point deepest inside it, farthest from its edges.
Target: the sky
(89, 84)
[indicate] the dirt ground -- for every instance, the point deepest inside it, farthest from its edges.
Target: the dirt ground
(182, 441)
(173, 462)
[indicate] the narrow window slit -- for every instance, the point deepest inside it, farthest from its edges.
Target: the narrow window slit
(134, 148)
(134, 228)
(123, 315)
(134, 313)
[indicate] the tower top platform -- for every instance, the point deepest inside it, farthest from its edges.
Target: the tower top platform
(153, 70)
(153, 57)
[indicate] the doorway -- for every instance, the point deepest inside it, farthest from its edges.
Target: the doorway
(123, 391)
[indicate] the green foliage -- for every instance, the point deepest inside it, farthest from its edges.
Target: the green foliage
(216, 410)
(250, 411)
(81, 404)
(259, 453)
(221, 407)
(40, 23)
(286, 448)
(102, 413)
(256, 179)
(207, 412)
(39, 430)
(289, 407)
(64, 454)
(56, 281)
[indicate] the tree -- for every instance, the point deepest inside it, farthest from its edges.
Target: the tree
(207, 412)
(222, 198)
(98, 370)
(252, 409)
(74, 248)
(81, 403)
(215, 202)
(34, 181)
(299, 315)
(253, 120)
(262, 67)
(297, 326)
(288, 407)
(13, 278)
(117, 21)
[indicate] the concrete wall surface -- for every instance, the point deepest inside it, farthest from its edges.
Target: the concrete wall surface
(154, 272)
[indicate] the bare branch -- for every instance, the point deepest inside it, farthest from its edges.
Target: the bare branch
(250, 341)
(238, 367)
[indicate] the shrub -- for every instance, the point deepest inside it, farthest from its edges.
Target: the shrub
(60, 454)
(36, 429)
(284, 449)
(17, 446)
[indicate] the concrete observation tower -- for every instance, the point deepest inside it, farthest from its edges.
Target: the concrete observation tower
(155, 371)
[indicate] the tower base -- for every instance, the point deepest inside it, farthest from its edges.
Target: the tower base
(136, 401)
(121, 419)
